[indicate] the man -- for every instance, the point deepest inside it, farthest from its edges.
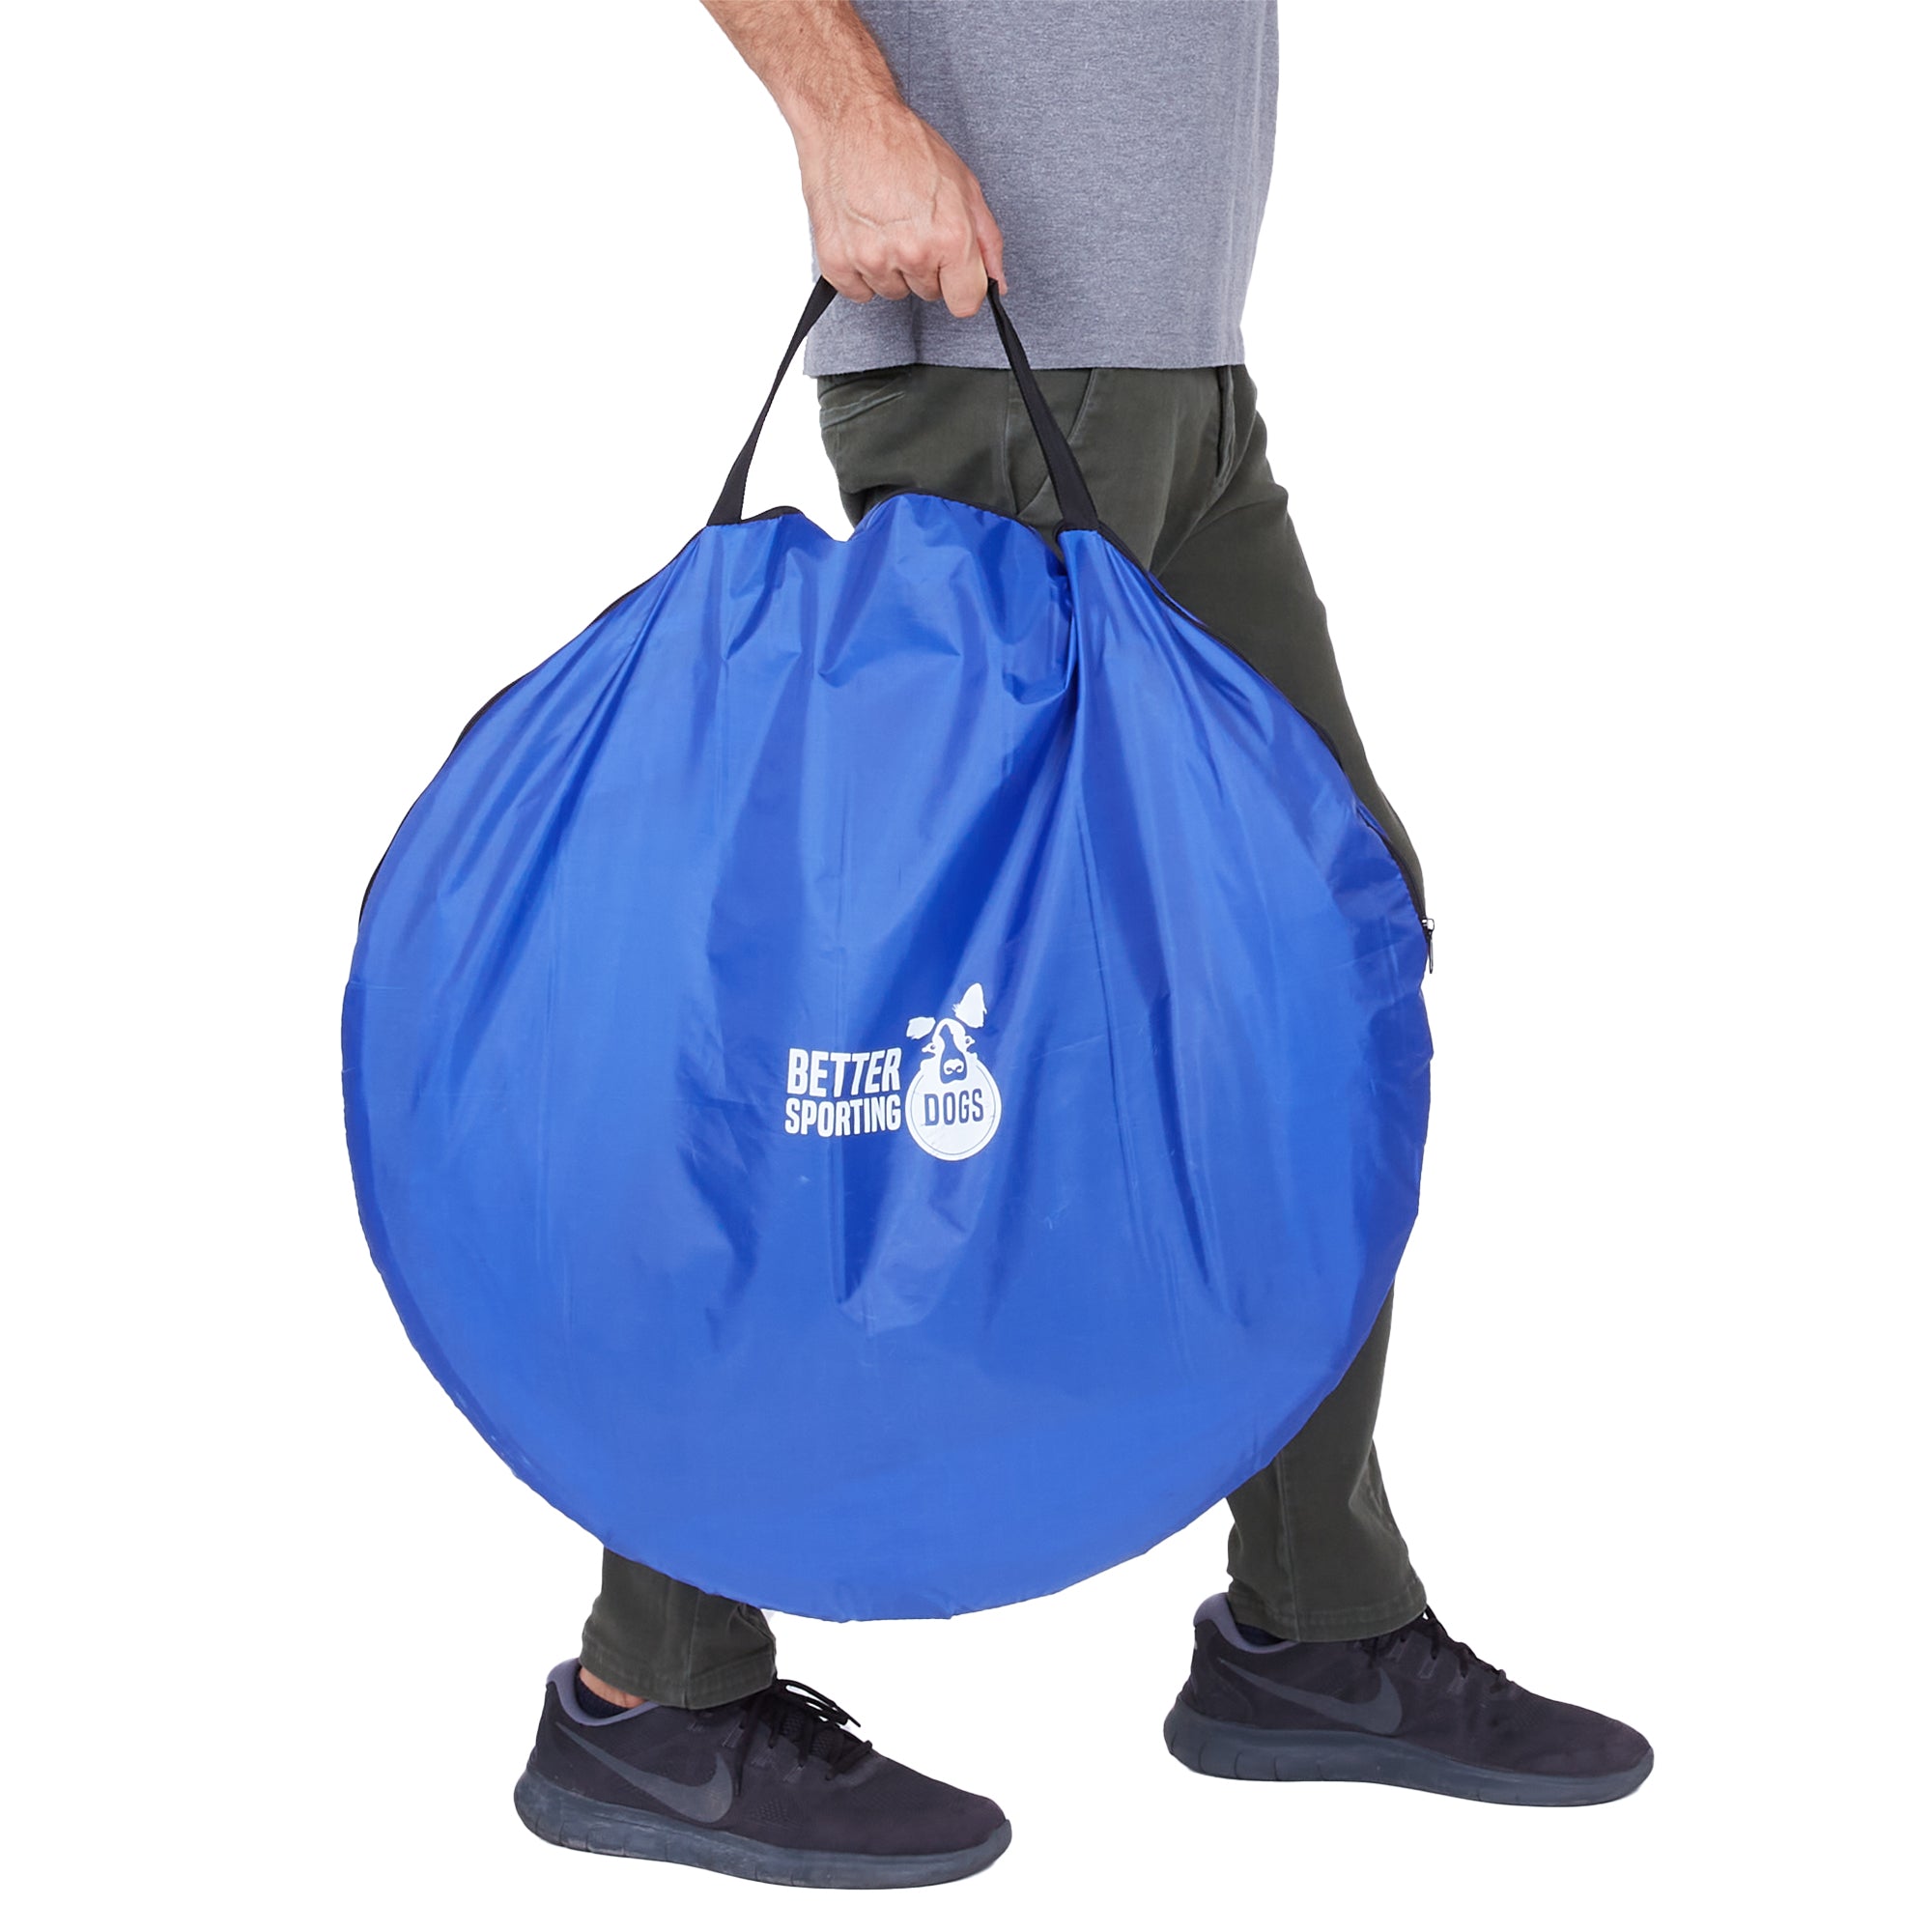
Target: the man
(1125, 146)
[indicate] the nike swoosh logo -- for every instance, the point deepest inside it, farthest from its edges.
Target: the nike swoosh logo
(1379, 1714)
(702, 1804)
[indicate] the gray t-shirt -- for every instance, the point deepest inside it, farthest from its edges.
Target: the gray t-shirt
(1124, 149)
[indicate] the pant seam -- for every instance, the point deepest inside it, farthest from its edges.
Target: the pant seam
(1283, 1539)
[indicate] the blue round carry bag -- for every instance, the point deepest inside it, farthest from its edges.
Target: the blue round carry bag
(887, 1075)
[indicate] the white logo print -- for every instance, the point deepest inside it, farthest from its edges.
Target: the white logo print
(953, 1105)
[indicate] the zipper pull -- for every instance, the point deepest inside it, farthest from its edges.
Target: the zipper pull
(1429, 941)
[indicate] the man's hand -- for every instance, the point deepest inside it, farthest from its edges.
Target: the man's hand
(894, 211)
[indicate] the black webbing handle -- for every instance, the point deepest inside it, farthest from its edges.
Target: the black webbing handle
(732, 499)
(1069, 486)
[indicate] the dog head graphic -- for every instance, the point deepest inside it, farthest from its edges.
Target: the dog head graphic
(953, 1105)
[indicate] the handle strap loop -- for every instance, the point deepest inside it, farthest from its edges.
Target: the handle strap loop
(730, 507)
(1070, 486)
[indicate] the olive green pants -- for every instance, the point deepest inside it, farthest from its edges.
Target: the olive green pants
(1178, 463)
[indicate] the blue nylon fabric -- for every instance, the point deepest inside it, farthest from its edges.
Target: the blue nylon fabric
(790, 798)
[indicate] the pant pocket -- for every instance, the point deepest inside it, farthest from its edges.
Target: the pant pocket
(1070, 395)
(1228, 445)
(842, 398)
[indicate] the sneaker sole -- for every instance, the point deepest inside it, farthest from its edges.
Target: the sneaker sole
(1218, 1748)
(561, 1817)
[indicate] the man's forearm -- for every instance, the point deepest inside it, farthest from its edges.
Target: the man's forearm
(817, 58)
(894, 211)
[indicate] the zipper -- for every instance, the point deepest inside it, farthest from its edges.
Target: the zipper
(490, 705)
(1181, 609)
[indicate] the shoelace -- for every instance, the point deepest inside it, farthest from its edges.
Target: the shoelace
(1430, 1626)
(809, 1721)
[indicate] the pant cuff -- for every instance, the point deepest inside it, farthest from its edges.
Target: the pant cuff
(1329, 1626)
(723, 1683)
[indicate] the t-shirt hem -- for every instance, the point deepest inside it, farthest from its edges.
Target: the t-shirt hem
(855, 359)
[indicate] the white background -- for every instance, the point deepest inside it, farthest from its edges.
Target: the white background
(357, 354)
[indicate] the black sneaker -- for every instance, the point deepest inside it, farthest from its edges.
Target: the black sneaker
(1412, 1708)
(772, 1787)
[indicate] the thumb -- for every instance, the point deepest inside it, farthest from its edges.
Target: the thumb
(962, 284)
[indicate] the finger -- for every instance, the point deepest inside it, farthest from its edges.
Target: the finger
(838, 268)
(889, 283)
(847, 280)
(921, 280)
(992, 243)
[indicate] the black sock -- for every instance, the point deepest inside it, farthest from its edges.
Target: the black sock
(1257, 1635)
(594, 1706)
